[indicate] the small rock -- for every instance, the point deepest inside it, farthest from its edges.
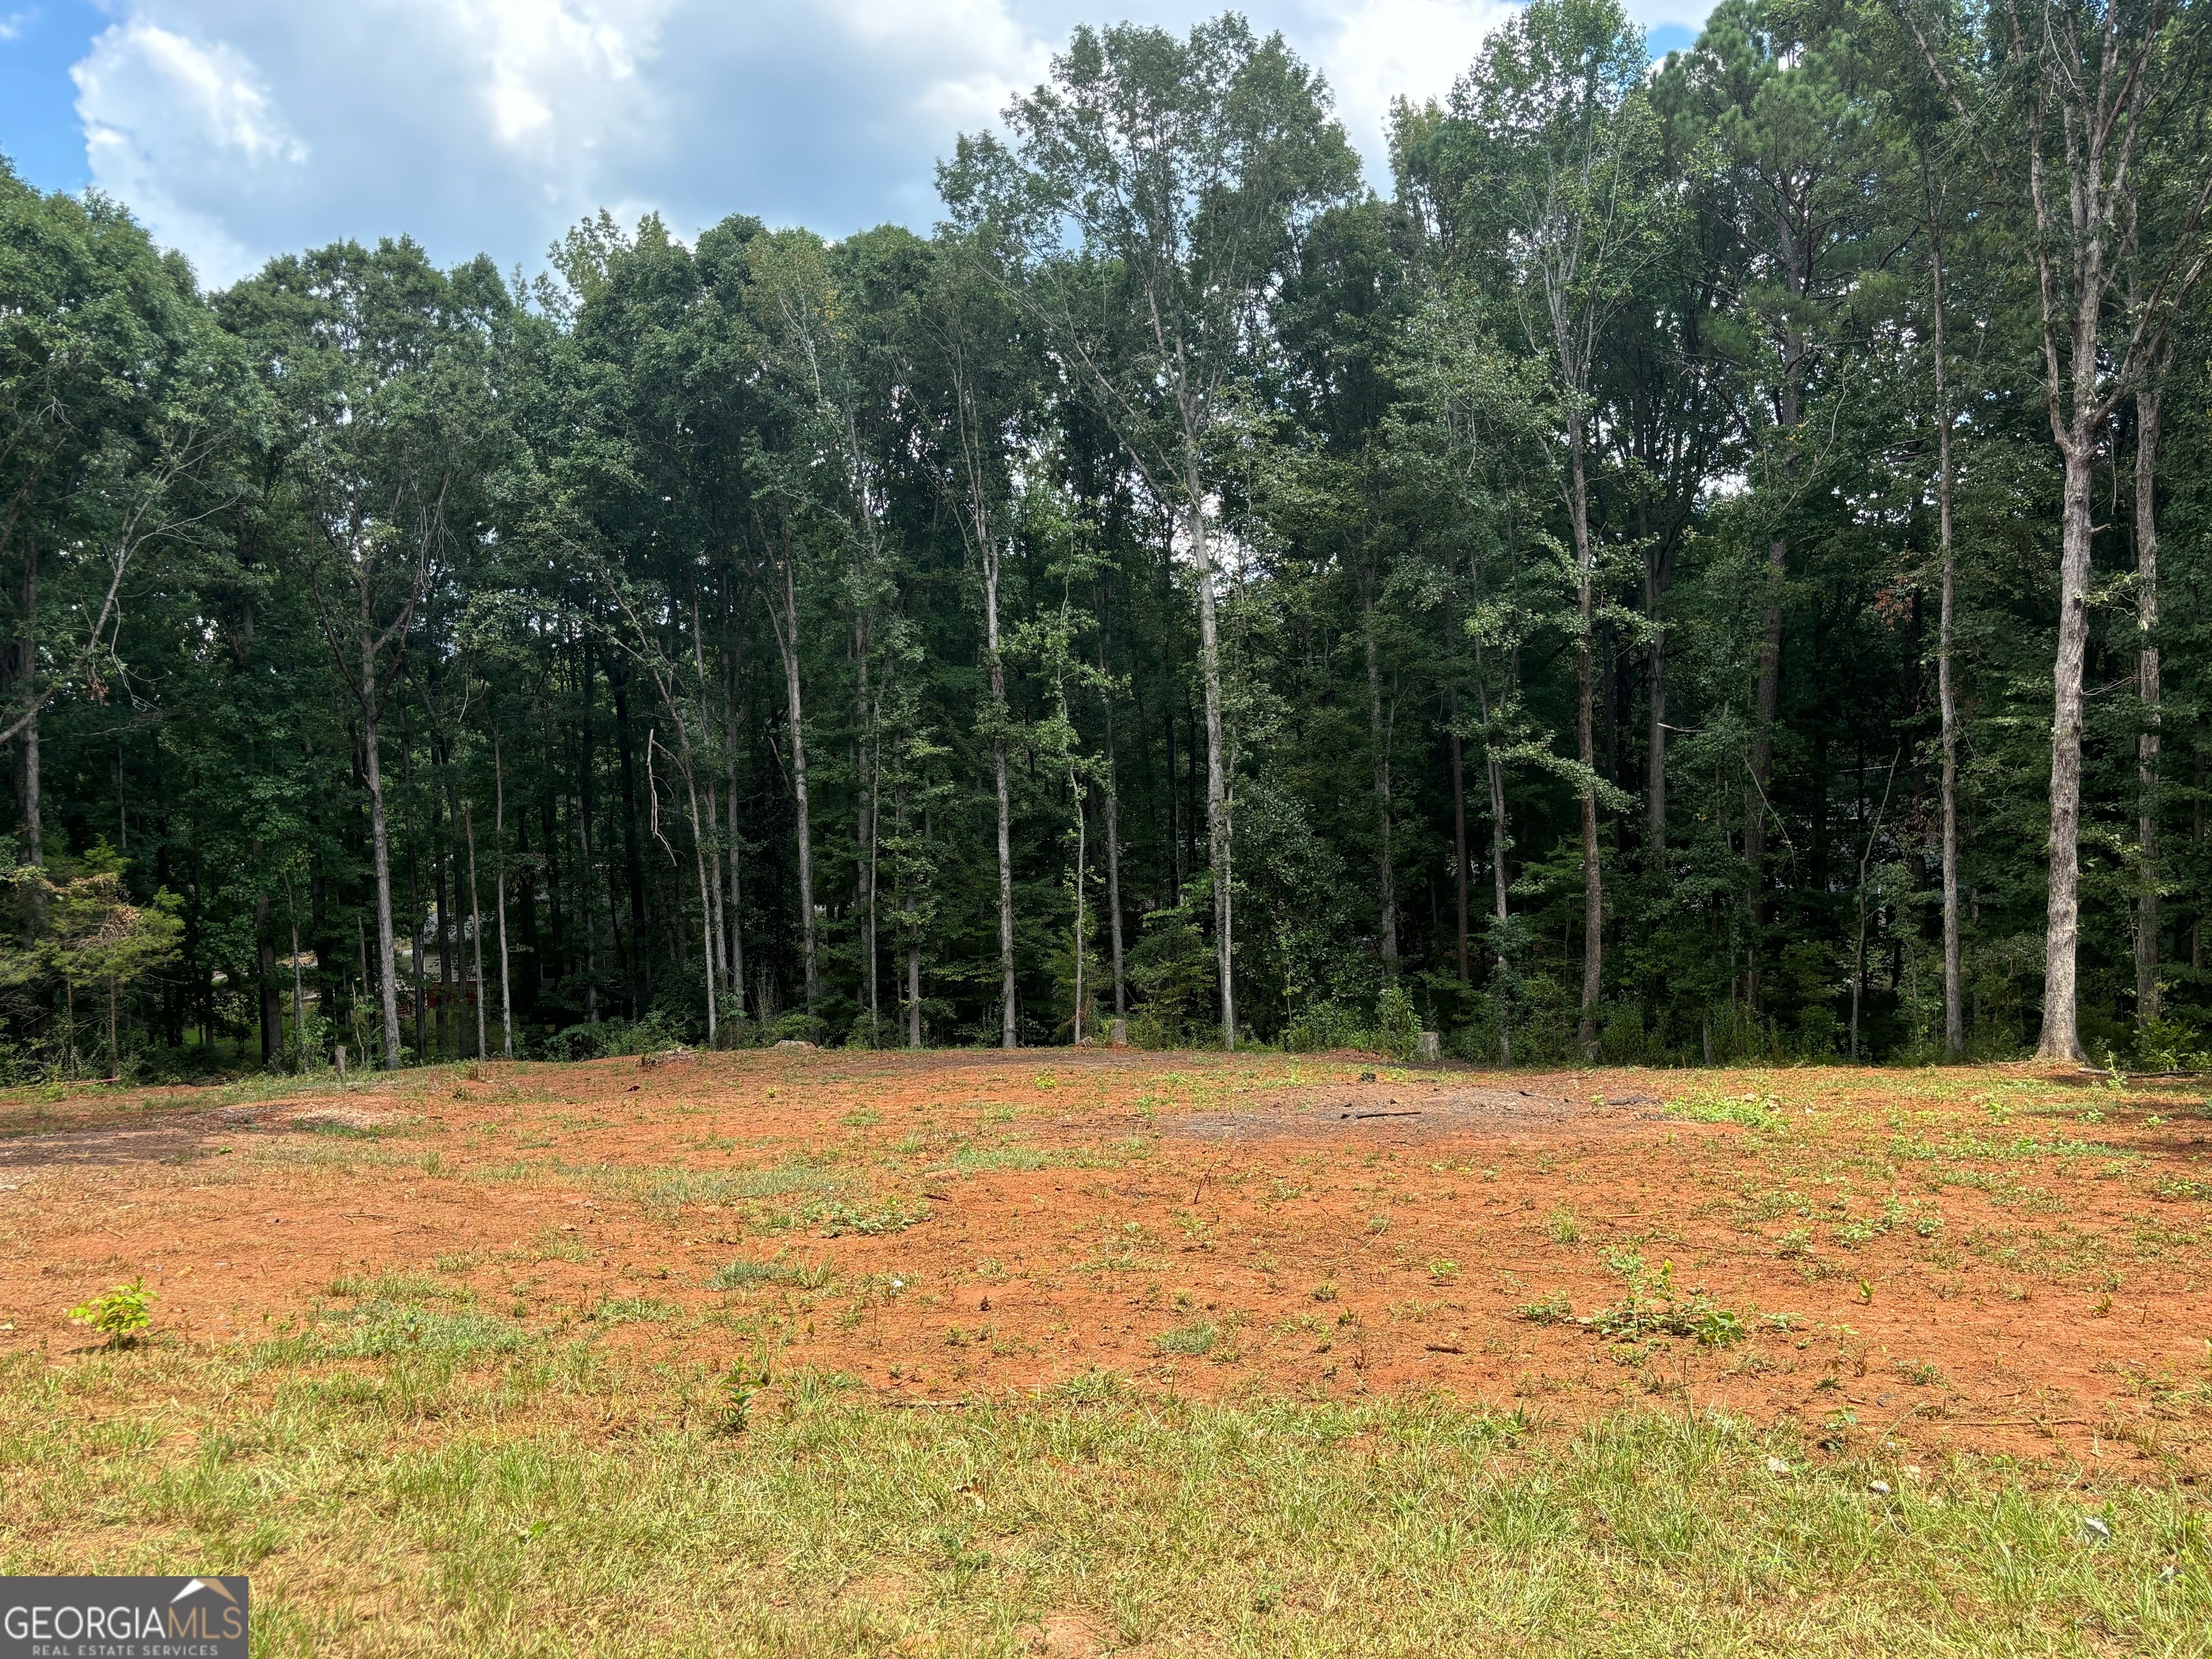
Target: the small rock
(2095, 1530)
(1879, 1488)
(1777, 1466)
(2166, 1573)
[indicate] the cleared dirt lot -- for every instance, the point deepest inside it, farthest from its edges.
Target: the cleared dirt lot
(1998, 1260)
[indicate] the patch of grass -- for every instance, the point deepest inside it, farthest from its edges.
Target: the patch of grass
(619, 1310)
(980, 1160)
(1198, 1337)
(397, 1285)
(1750, 1111)
(516, 1512)
(738, 1275)
(1561, 1227)
(2171, 1189)
(1551, 1309)
(380, 1329)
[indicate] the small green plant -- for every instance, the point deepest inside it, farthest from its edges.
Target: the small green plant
(1752, 1111)
(1654, 1308)
(119, 1315)
(1325, 1291)
(1561, 1227)
(1193, 1339)
(735, 1275)
(739, 1384)
(1445, 1269)
(1552, 1309)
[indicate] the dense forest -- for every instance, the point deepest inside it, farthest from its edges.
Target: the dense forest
(1677, 579)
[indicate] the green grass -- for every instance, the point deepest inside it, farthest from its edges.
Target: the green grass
(1753, 1111)
(539, 1500)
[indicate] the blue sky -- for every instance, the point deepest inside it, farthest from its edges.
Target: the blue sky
(238, 128)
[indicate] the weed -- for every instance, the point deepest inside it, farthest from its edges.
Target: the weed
(2171, 1189)
(1325, 1291)
(1750, 1111)
(1196, 1338)
(120, 1314)
(1561, 1227)
(1552, 1309)
(736, 1275)
(1652, 1307)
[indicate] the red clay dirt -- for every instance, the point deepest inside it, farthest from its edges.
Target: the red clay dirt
(1995, 1261)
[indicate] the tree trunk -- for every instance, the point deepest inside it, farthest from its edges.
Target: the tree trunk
(1113, 832)
(787, 642)
(1655, 743)
(271, 996)
(1593, 887)
(2061, 1032)
(717, 933)
(387, 955)
(27, 668)
(1500, 976)
(1379, 752)
(1954, 1016)
(699, 829)
(737, 936)
(2147, 688)
(448, 922)
(637, 959)
(1217, 778)
(1459, 824)
(910, 910)
(499, 886)
(1009, 1033)
(476, 927)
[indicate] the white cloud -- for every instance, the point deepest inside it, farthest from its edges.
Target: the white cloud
(1412, 49)
(238, 128)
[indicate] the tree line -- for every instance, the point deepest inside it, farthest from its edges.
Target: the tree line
(1677, 578)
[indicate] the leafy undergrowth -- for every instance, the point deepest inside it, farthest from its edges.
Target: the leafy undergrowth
(436, 1499)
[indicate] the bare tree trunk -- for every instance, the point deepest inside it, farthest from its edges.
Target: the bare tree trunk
(1082, 825)
(699, 830)
(270, 997)
(1655, 762)
(865, 787)
(1378, 739)
(911, 911)
(299, 990)
(1585, 751)
(476, 924)
(387, 955)
(499, 883)
(737, 936)
(2147, 688)
(26, 668)
(2060, 1032)
(1216, 780)
(1009, 1031)
(1954, 1015)
(1113, 843)
(1499, 840)
(787, 638)
(1459, 825)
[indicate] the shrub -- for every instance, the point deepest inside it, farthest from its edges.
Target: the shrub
(119, 1315)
